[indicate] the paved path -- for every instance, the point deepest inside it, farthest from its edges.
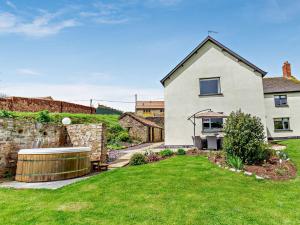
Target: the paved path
(41, 185)
(124, 160)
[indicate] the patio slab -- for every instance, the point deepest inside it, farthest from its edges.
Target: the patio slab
(52, 185)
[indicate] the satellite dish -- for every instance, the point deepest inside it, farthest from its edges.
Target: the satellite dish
(66, 121)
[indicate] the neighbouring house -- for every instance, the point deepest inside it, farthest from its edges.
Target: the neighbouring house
(150, 108)
(211, 82)
(140, 128)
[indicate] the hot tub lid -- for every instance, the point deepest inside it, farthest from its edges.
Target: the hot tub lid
(43, 151)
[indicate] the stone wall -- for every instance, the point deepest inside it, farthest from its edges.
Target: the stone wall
(89, 135)
(35, 105)
(136, 129)
(20, 134)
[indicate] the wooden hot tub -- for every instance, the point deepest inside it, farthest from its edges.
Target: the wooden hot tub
(49, 164)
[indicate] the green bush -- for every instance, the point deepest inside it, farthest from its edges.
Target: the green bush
(235, 162)
(244, 137)
(43, 117)
(6, 114)
(283, 155)
(137, 159)
(123, 136)
(166, 152)
(180, 151)
(115, 129)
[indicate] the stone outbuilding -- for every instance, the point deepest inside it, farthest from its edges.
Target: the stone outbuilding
(141, 128)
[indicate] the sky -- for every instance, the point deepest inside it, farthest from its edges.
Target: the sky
(76, 50)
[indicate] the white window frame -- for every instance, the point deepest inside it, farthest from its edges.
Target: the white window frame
(210, 129)
(283, 120)
(280, 97)
(207, 79)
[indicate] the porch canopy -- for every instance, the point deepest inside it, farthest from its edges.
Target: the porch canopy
(207, 113)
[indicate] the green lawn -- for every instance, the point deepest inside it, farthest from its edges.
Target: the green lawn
(109, 120)
(180, 190)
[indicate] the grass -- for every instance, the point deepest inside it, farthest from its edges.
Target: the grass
(109, 120)
(180, 190)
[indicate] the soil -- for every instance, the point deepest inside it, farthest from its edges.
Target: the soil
(274, 168)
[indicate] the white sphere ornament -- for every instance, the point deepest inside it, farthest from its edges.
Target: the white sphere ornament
(66, 121)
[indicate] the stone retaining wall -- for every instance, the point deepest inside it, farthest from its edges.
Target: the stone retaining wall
(19, 134)
(90, 135)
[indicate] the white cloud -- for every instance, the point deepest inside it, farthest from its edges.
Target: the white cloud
(79, 92)
(10, 4)
(164, 2)
(40, 26)
(100, 76)
(28, 72)
(111, 21)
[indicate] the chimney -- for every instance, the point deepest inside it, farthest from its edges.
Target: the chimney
(286, 69)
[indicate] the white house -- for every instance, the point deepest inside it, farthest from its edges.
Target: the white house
(214, 80)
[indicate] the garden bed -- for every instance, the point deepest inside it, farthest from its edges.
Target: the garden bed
(274, 169)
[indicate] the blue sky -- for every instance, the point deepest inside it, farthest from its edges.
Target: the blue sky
(110, 50)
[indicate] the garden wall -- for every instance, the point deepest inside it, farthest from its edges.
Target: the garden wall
(19, 134)
(91, 135)
(34, 105)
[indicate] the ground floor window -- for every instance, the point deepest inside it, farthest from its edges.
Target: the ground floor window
(212, 124)
(282, 124)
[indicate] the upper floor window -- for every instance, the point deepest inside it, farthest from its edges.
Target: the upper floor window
(280, 100)
(282, 124)
(210, 86)
(147, 110)
(212, 124)
(162, 110)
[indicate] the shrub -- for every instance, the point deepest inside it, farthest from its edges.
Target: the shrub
(152, 157)
(180, 151)
(123, 137)
(166, 152)
(43, 117)
(244, 137)
(137, 159)
(115, 129)
(282, 155)
(235, 162)
(5, 114)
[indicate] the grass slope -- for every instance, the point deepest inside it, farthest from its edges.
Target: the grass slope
(180, 190)
(76, 118)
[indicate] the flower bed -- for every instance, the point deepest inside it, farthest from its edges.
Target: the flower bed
(274, 169)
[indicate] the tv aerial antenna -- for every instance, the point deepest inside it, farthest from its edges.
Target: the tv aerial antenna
(212, 32)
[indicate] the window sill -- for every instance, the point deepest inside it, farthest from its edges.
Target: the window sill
(277, 131)
(212, 95)
(281, 106)
(211, 131)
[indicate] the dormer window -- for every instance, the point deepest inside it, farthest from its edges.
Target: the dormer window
(210, 86)
(280, 100)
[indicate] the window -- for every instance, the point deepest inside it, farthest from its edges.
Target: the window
(282, 124)
(146, 110)
(162, 110)
(212, 124)
(280, 100)
(210, 86)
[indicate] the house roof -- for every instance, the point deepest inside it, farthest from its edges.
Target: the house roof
(150, 105)
(224, 48)
(142, 120)
(280, 85)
